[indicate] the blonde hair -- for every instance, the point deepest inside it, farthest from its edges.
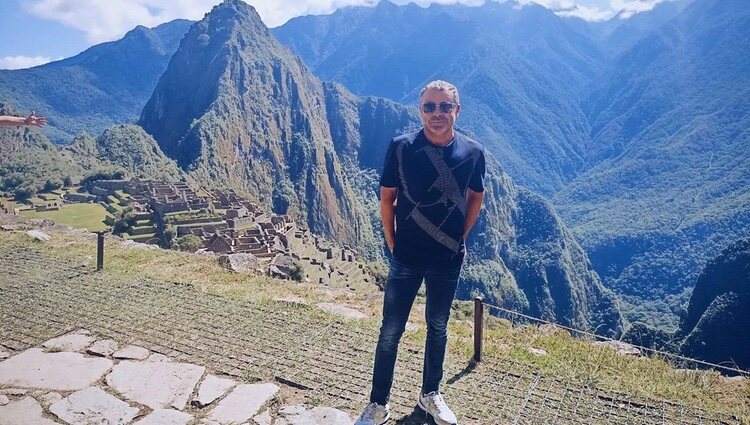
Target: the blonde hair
(441, 85)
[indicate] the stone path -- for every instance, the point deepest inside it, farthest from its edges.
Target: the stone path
(322, 359)
(62, 382)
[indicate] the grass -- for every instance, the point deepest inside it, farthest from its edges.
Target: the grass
(82, 216)
(568, 359)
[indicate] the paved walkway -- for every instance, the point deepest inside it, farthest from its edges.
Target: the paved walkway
(292, 345)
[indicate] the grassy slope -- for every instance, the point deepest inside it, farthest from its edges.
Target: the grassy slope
(82, 216)
(568, 359)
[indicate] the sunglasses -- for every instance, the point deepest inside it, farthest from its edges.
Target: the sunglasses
(445, 107)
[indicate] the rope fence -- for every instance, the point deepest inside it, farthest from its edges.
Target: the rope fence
(479, 304)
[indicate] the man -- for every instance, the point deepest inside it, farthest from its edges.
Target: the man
(32, 119)
(431, 192)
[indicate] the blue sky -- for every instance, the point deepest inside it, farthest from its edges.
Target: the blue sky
(38, 31)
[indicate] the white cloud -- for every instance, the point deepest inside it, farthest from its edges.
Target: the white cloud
(586, 13)
(629, 8)
(109, 20)
(23, 62)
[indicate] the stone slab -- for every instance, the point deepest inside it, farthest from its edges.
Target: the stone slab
(304, 415)
(241, 404)
(4, 400)
(26, 411)
(93, 406)
(49, 399)
(166, 417)
(263, 419)
(73, 342)
(211, 389)
(132, 352)
(102, 348)
(155, 384)
(64, 371)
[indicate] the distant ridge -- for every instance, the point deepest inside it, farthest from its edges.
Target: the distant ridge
(107, 84)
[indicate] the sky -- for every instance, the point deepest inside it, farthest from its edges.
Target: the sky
(34, 32)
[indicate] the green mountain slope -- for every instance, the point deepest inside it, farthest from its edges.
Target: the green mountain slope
(716, 326)
(670, 142)
(106, 84)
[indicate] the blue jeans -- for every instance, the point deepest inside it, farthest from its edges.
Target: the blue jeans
(400, 291)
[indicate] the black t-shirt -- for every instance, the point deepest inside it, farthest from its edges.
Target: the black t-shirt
(432, 183)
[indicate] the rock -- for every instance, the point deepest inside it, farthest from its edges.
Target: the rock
(276, 272)
(240, 263)
(550, 329)
(155, 384)
(342, 310)
(537, 351)
(93, 406)
(38, 236)
(263, 419)
(12, 227)
(34, 368)
(72, 342)
(303, 415)
(3, 355)
(211, 389)
(738, 378)
(242, 403)
(50, 398)
(131, 352)
(622, 348)
(23, 412)
(102, 348)
(166, 417)
(159, 358)
(285, 263)
(411, 327)
(4, 400)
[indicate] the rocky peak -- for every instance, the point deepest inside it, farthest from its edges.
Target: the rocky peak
(238, 110)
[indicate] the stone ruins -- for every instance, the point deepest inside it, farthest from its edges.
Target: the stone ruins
(228, 224)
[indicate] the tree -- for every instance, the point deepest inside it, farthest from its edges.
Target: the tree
(190, 243)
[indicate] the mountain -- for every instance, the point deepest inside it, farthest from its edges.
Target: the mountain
(635, 128)
(107, 84)
(519, 70)
(235, 108)
(716, 326)
(127, 147)
(670, 142)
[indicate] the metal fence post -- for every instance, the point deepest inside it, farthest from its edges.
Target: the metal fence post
(478, 327)
(99, 250)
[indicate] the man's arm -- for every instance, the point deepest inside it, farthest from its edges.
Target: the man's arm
(32, 119)
(388, 214)
(473, 206)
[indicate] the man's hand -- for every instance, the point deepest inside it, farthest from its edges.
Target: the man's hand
(32, 119)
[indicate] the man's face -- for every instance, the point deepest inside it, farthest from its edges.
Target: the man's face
(438, 124)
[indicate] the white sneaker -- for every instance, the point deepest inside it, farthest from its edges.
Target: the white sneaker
(374, 414)
(434, 405)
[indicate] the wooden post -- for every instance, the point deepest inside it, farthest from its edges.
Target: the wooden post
(99, 250)
(478, 326)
